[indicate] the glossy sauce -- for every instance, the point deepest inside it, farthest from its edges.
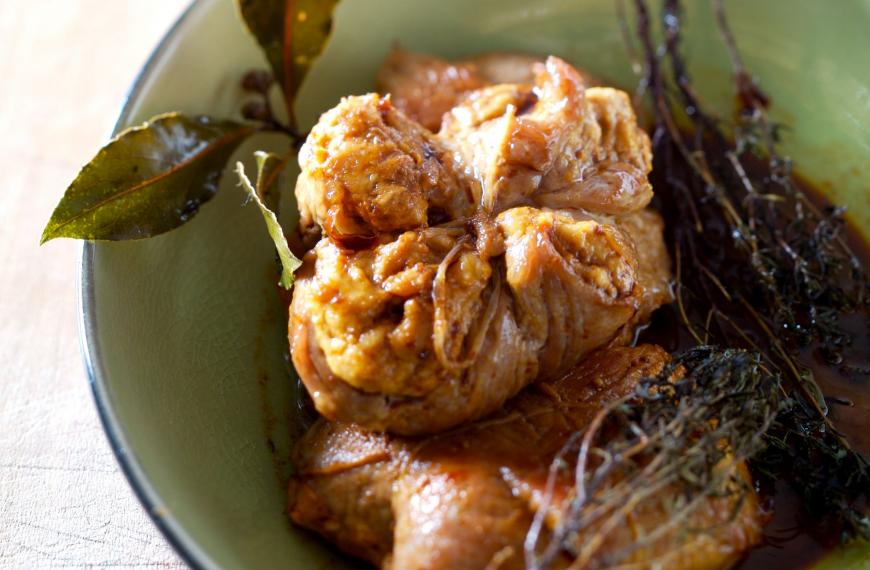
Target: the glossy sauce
(790, 542)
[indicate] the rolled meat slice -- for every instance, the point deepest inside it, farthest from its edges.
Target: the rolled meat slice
(434, 328)
(557, 145)
(458, 268)
(367, 168)
(465, 499)
(425, 87)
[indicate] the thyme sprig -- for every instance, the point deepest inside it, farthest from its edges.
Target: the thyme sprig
(664, 445)
(761, 269)
(762, 266)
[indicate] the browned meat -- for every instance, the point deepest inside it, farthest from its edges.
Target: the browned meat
(425, 87)
(433, 297)
(367, 168)
(430, 329)
(465, 499)
(499, 67)
(574, 284)
(558, 145)
(645, 229)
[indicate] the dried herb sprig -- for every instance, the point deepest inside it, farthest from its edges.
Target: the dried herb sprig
(673, 443)
(759, 265)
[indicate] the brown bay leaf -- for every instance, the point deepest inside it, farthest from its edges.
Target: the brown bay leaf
(148, 180)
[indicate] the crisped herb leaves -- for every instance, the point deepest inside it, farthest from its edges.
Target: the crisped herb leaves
(674, 444)
(268, 167)
(292, 34)
(759, 268)
(759, 265)
(148, 180)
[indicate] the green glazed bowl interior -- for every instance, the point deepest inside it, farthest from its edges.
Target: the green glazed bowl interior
(184, 334)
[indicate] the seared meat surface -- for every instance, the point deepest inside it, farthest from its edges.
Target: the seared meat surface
(466, 498)
(457, 268)
(498, 68)
(367, 168)
(425, 87)
(425, 331)
(557, 144)
(645, 229)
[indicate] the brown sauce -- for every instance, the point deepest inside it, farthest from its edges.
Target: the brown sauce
(790, 541)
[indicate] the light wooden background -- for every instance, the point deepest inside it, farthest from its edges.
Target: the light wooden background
(65, 66)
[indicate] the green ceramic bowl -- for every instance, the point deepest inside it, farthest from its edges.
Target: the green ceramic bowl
(184, 336)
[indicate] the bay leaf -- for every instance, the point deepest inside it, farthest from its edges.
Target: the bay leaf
(292, 33)
(147, 180)
(289, 262)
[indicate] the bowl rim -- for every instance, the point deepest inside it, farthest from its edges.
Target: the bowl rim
(183, 544)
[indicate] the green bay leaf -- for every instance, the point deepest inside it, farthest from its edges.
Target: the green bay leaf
(147, 180)
(292, 33)
(264, 19)
(266, 164)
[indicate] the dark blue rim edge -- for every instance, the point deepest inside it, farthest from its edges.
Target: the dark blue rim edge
(90, 349)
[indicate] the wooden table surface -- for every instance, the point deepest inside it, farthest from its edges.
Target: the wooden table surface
(65, 66)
